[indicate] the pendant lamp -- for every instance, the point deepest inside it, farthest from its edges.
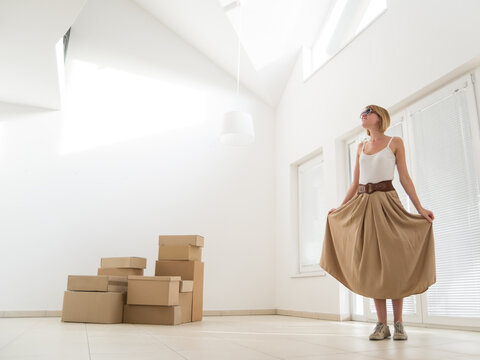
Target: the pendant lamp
(237, 125)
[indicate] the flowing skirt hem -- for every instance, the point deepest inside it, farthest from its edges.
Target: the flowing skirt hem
(418, 290)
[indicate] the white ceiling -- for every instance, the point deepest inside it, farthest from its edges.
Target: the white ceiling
(273, 34)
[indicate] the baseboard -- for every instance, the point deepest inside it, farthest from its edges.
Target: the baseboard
(238, 312)
(303, 314)
(313, 315)
(31, 313)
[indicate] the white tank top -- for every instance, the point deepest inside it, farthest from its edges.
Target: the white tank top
(377, 167)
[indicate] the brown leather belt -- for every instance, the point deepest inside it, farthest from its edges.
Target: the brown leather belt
(371, 187)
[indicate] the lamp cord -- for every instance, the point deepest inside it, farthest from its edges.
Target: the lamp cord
(238, 49)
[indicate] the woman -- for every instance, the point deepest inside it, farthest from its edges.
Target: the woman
(372, 245)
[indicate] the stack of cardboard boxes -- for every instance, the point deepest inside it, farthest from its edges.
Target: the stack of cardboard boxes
(154, 300)
(100, 298)
(97, 299)
(175, 294)
(181, 255)
(120, 292)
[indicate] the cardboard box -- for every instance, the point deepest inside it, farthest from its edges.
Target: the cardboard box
(195, 240)
(93, 307)
(187, 270)
(186, 285)
(153, 290)
(151, 314)
(179, 252)
(119, 271)
(186, 301)
(124, 262)
(97, 283)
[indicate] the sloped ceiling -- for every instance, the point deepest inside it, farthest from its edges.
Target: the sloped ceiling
(29, 31)
(272, 35)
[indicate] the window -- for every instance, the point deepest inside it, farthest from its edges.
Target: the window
(444, 133)
(312, 214)
(346, 19)
(442, 143)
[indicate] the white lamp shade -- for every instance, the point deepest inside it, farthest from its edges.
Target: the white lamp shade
(237, 128)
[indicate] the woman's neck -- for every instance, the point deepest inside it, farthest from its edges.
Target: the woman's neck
(377, 137)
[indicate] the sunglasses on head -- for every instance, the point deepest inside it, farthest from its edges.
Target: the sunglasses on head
(366, 112)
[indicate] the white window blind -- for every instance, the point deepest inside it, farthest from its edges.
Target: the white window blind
(446, 179)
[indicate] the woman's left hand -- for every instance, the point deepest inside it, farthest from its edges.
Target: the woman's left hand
(427, 214)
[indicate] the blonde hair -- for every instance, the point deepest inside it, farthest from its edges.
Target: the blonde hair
(382, 114)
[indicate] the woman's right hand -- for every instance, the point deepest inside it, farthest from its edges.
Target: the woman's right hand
(332, 210)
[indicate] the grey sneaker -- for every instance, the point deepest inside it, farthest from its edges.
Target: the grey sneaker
(380, 332)
(399, 333)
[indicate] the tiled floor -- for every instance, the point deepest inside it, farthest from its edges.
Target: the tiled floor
(228, 338)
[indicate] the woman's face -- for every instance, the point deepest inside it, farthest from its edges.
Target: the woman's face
(370, 121)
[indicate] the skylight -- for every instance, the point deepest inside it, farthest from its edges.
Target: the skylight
(346, 19)
(375, 8)
(269, 29)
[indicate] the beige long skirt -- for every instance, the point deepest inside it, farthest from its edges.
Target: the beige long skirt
(377, 249)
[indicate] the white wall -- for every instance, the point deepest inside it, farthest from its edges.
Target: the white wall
(414, 46)
(133, 154)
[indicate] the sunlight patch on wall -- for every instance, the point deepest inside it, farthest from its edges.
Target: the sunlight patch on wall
(105, 106)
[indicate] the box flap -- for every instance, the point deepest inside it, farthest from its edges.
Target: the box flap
(123, 262)
(196, 240)
(154, 278)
